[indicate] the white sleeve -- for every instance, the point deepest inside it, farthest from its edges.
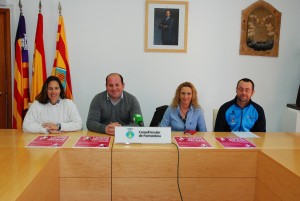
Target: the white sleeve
(73, 121)
(31, 123)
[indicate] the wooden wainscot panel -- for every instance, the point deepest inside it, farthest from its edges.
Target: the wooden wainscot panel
(263, 193)
(280, 180)
(85, 162)
(145, 189)
(217, 189)
(85, 189)
(45, 185)
(144, 164)
(217, 163)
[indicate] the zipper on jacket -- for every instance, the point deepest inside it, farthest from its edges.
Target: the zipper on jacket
(241, 120)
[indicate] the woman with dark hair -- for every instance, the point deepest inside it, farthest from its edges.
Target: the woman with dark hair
(185, 112)
(51, 112)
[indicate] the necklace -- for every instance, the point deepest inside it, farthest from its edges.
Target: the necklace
(183, 114)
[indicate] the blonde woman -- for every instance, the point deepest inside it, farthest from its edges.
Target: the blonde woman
(185, 112)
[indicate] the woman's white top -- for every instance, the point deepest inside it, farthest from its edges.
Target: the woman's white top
(64, 112)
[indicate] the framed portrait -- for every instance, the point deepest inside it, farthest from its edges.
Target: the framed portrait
(166, 24)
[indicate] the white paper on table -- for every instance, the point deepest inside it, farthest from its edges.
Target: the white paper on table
(246, 134)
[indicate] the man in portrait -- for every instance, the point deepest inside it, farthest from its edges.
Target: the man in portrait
(166, 26)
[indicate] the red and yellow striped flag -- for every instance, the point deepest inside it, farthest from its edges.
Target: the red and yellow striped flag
(61, 68)
(39, 74)
(21, 78)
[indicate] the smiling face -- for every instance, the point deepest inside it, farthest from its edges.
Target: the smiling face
(185, 96)
(53, 92)
(114, 87)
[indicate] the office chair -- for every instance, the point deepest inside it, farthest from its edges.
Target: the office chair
(215, 113)
(158, 115)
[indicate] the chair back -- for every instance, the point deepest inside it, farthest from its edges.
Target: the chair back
(158, 115)
(215, 113)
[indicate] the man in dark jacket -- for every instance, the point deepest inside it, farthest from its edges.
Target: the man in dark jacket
(241, 114)
(166, 26)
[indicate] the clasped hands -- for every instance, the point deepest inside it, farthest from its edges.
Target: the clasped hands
(51, 128)
(110, 128)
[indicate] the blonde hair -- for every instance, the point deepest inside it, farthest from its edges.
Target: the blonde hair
(176, 99)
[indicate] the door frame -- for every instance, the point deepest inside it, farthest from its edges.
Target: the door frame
(8, 67)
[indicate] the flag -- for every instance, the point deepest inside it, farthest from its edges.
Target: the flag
(61, 68)
(21, 75)
(39, 75)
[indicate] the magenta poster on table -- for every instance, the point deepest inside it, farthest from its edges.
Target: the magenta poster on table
(235, 142)
(48, 141)
(93, 142)
(192, 142)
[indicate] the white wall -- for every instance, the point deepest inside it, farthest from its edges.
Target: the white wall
(108, 36)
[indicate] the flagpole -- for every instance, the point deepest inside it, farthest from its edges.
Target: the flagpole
(40, 7)
(21, 7)
(59, 8)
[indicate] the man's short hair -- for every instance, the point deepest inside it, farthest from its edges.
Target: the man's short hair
(114, 74)
(245, 80)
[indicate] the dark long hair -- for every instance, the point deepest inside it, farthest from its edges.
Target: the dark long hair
(42, 97)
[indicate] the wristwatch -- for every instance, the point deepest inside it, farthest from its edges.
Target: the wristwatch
(58, 126)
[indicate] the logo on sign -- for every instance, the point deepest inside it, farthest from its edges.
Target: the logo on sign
(130, 134)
